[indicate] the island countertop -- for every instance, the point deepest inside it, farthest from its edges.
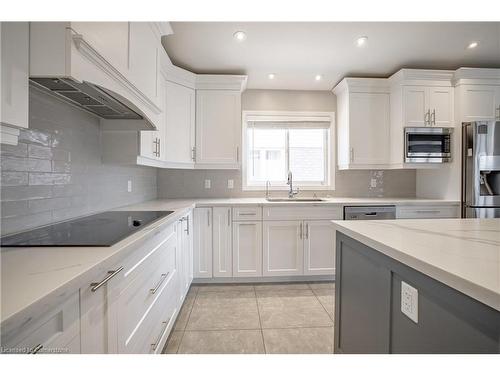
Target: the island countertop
(461, 253)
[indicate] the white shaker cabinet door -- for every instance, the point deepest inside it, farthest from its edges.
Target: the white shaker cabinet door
(479, 103)
(319, 248)
(247, 248)
(369, 128)
(441, 106)
(283, 248)
(222, 244)
(415, 106)
(218, 124)
(180, 124)
(202, 249)
(14, 44)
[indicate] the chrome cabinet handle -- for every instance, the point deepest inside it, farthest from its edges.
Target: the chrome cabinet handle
(208, 217)
(187, 225)
(36, 349)
(427, 211)
(307, 231)
(433, 118)
(300, 231)
(427, 117)
(159, 147)
(193, 153)
(497, 109)
(228, 217)
(111, 274)
(155, 345)
(237, 154)
(162, 279)
(247, 214)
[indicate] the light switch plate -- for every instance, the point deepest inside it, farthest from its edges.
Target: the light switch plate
(129, 186)
(409, 301)
(208, 184)
(230, 184)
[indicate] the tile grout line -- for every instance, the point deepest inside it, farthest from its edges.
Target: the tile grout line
(189, 316)
(324, 308)
(260, 321)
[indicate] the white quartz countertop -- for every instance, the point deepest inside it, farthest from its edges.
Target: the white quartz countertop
(33, 278)
(461, 253)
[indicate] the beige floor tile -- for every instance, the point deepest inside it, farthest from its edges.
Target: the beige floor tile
(224, 310)
(322, 285)
(299, 340)
(281, 286)
(217, 342)
(224, 288)
(173, 342)
(327, 299)
(182, 318)
(291, 308)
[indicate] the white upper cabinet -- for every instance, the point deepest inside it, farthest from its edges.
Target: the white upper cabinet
(218, 121)
(428, 106)
(477, 93)
(144, 48)
(363, 114)
(118, 56)
(180, 125)
(14, 65)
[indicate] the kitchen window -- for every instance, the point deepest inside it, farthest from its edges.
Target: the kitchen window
(275, 143)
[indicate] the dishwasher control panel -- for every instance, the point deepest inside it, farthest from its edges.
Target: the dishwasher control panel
(369, 212)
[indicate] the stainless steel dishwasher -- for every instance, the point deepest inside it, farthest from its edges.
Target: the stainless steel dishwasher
(369, 212)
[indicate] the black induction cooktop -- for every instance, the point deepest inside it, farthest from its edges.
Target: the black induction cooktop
(104, 229)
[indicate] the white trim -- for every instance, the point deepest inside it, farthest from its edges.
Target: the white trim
(268, 115)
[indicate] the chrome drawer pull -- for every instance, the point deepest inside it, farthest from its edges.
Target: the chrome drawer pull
(247, 213)
(155, 345)
(36, 349)
(163, 277)
(111, 274)
(428, 211)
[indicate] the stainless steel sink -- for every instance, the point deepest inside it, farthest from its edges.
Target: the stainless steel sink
(294, 199)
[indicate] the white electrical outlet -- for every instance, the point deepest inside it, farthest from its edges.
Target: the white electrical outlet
(230, 184)
(129, 186)
(373, 183)
(409, 301)
(208, 184)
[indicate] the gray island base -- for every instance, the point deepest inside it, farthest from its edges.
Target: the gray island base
(368, 309)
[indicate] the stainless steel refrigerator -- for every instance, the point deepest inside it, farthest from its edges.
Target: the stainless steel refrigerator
(481, 169)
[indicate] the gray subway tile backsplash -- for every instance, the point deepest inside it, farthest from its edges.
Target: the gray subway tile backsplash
(55, 172)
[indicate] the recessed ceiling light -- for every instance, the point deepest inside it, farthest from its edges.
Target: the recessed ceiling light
(362, 41)
(240, 36)
(472, 45)
(271, 76)
(318, 77)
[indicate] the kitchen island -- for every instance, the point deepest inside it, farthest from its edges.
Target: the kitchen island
(418, 286)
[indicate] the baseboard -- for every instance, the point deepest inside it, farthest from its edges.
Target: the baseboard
(269, 279)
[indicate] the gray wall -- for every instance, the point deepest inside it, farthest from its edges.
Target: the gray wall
(56, 173)
(190, 183)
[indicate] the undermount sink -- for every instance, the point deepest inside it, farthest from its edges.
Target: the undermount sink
(294, 199)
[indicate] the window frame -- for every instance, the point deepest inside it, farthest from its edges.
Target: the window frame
(292, 116)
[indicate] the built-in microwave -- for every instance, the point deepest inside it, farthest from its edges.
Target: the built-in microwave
(428, 145)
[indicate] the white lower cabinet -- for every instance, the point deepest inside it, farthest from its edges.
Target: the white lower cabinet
(283, 248)
(57, 331)
(222, 254)
(247, 248)
(319, 247)
(202, 249)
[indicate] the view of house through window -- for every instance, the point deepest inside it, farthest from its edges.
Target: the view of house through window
(274, 148)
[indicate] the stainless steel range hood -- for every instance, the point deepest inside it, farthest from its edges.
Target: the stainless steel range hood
(94, 98)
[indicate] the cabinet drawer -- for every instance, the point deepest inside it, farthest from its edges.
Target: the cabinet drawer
(250, 213)
(310, 212)
(142, 287)
(152, 329)
(426, 212)
(58, 331)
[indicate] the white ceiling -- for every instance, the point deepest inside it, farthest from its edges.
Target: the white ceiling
(297, 51)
